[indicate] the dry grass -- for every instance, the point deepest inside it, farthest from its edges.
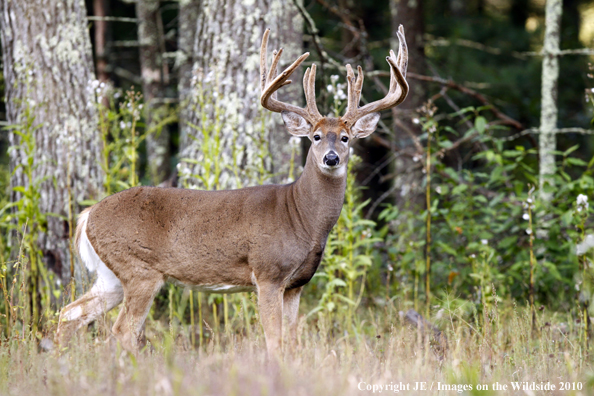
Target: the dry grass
(330, 360)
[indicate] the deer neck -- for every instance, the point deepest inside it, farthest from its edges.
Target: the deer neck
(318, 199)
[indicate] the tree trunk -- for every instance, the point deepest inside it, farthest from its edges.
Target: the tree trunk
(48, 69)
(548, 113)
(100, 10)
(410, 15)
(253, 143)
(151, 67)
(188, 16)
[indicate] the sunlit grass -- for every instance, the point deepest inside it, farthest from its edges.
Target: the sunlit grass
(332, 358)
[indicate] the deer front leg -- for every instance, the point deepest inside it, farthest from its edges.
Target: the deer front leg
(291, 313)
(270, 303)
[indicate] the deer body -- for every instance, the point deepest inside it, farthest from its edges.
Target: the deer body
(227, 238)
(269, 239)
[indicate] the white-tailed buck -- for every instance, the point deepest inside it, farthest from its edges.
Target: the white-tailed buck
(269, 239)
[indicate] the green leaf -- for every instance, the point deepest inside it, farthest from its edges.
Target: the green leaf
(576, 161)
(446, 248)
(480, 124)
(571, 149)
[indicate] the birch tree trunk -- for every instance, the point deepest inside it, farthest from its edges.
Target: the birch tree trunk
(151, 67)
(246, 142)
(48, 69)
(548, 113)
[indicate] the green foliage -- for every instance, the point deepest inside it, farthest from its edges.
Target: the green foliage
(22, 222)
(486, 224)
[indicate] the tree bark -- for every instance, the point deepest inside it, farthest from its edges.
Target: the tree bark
(409, 13)
(548, 113)
(48, 68)
(100, 10)
(226, 67)
(151, 67)
(188, 17)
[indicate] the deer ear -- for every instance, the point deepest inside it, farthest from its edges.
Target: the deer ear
(366, 125)
(296, 125)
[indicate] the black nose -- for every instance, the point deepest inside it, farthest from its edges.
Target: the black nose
(331, 159)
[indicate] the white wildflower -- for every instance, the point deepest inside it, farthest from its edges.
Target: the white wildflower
(416, 121)
(586, 245)
(582, 202)
(122, 125)
(340, 95)
(525, 216)
(473, 256)
(295, 141)
(529, 231)
(484, 241)
(334, 78)
(329, 88)
(209, 77)
(390, 268)
(438, 189)
(529, 200)
(95, 84)
(117, 94)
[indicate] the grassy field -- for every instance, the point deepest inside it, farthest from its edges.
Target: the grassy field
(379, 348)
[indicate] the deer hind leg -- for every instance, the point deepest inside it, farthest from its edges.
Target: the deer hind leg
(106, 293)
(291, 314)
(139, 291)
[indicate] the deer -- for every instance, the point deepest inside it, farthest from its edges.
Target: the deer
(269, 239)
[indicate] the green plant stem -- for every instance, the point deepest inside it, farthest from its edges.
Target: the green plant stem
(531, 292)
(200, 327)
(428, 226)
(192, 326)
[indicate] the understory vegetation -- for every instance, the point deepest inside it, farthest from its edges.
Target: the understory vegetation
(502, 277)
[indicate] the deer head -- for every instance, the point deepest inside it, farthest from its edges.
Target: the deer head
(331, 137)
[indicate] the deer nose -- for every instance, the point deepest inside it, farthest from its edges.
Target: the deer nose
(331, 159)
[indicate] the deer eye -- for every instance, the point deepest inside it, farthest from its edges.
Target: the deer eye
(317, 137)
(344, 139)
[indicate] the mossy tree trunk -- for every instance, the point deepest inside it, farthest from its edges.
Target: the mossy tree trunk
(48, 69)
(225, 60)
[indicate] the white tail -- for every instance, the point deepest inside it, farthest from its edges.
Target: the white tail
(270, 239)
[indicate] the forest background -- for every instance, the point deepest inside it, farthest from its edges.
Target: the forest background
(471, 194)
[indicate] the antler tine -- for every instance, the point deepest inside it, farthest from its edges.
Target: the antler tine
(395, 95)
(310, 93)
(402, 51)
(263, 56)
(270, 82)
(354, 90)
